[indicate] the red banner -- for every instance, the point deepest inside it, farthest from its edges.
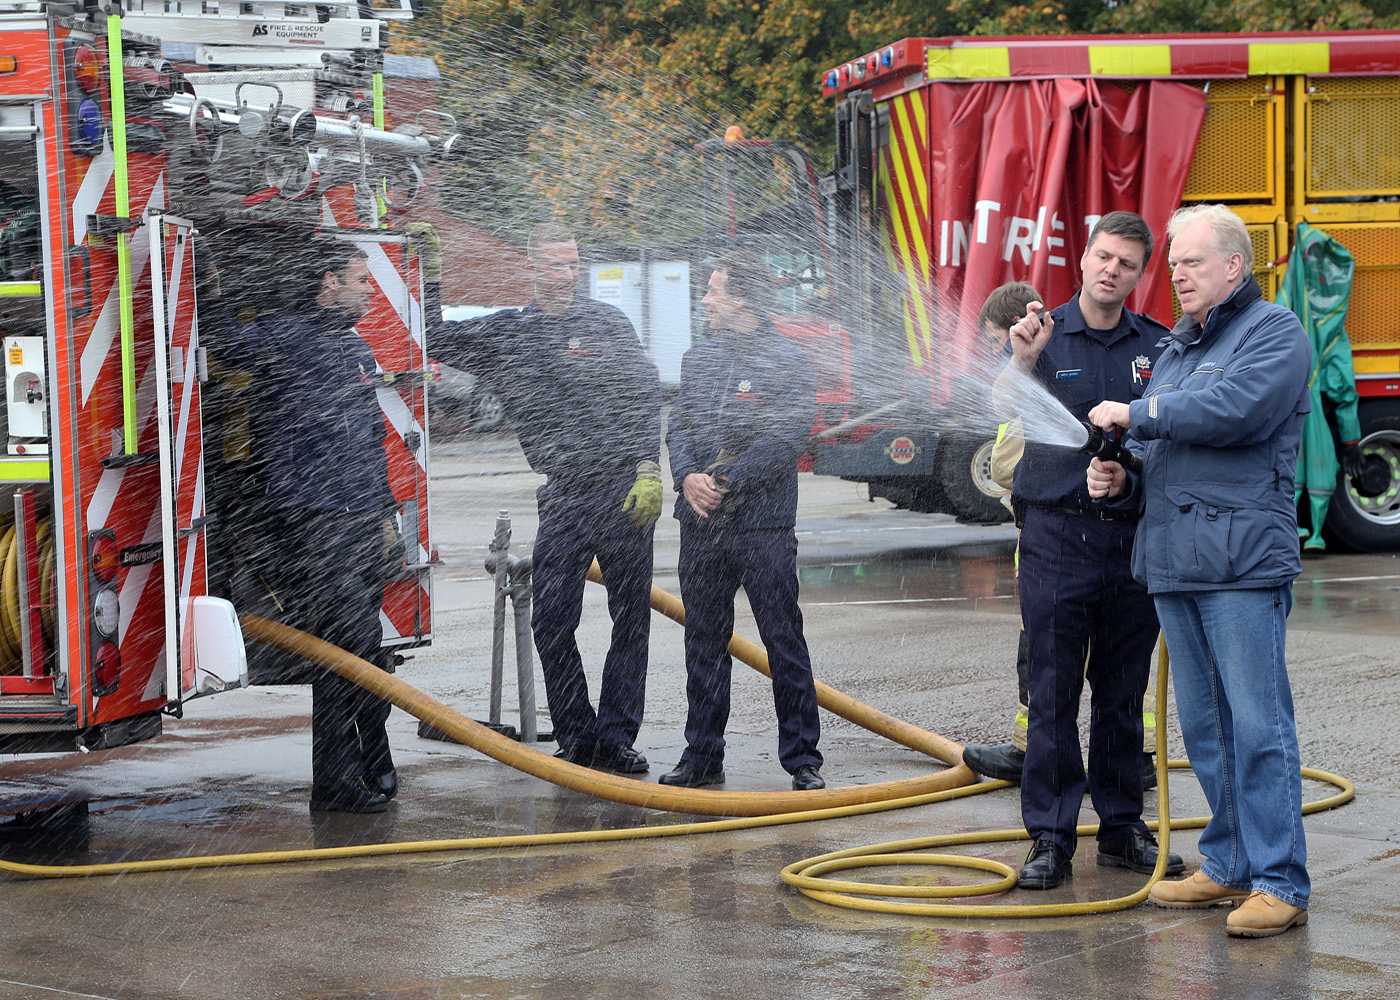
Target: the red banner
(1020, 172)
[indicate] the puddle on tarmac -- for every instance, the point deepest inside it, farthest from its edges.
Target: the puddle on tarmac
(981, 577)
(1352, 592)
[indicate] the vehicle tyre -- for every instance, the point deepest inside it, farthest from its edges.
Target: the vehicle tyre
(964, 470)
(1368, 519)
(489, 413)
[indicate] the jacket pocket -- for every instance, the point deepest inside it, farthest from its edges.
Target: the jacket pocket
(1213, 544)
(1207, 557)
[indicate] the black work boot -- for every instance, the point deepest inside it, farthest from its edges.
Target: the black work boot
(1003, 762)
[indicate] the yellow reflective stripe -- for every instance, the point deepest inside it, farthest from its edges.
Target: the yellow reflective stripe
(1149, 720)
(122, 191)
(1287, 58)
(1130, 60)
(910, 235)
(25, 472)
(919, 124)
(916, 122)
(968, 63)
(902, 228)
(1022, 720)
(1001, 431)
(887, 244)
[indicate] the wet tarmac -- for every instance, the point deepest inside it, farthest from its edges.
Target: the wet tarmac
(913, 614)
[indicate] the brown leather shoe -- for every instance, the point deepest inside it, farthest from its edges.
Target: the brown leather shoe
(1263, 915)
(1195, 892)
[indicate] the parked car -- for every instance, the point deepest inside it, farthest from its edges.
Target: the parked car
(461, 399)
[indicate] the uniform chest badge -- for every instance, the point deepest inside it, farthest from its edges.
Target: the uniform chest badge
(575, 343)
(577, 350)
(745, 390)
(1142, 369)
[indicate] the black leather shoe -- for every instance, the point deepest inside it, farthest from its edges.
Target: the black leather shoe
(620, 758)
(687, 775)
(807, 778)
(347, 797)
(1149, 772)
(1003, 763)
(385, 783)
(1047, 866)
(581, 754)
(1136, 850)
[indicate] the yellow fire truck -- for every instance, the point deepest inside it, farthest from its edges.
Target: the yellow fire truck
(983, 160)
(160, 160)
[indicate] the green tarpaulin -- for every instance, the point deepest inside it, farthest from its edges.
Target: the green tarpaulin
(1317, 288)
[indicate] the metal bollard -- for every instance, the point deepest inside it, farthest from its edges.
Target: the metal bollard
(521, 593)
(499, 548)
(512, 576)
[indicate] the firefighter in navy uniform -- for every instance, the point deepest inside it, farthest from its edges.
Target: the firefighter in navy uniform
(320, 465)
(1078, 596)
(742, 419)
(585, 401)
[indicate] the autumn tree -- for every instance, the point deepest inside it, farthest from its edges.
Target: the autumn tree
(588, 110)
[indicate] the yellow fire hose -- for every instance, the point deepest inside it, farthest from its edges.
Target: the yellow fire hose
(11, 626)
(758, 809)
(807, 876)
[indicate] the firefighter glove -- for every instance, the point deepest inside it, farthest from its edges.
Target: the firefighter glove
(643, 503)
(393, 551)
(430, 247)
(1352, 459)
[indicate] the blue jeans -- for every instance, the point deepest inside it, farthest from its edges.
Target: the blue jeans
(1236, 711)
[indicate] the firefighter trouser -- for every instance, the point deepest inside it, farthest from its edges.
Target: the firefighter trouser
(1079, 602)
(328, 576)
(713, 566)
(578, 523)
(1018, 728)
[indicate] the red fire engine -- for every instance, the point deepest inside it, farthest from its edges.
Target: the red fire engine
(161, 161)
(962, 163)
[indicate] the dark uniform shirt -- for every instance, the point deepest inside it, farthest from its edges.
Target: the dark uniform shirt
(580, 392)
(754, 396)
(317, 426)
(1081, 368)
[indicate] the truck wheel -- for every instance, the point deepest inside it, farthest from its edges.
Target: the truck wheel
(1368, 519)
(964, 470)
(489, 414)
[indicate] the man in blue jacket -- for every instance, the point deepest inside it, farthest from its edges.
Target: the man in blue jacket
(318, 444)
(585, 401)
(1079, 602)
(1218, 548)
(742, 419)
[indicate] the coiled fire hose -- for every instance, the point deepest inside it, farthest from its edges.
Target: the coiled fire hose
(755, 809)
(11, 627)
